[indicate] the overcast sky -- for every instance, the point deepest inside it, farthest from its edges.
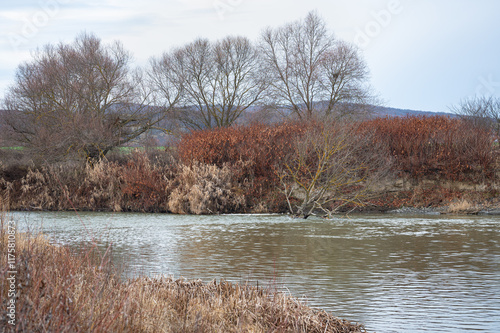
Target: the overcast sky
(422, 54)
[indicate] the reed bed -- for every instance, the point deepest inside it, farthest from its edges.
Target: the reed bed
(59, 290)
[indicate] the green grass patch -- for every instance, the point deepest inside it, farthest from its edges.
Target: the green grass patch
(128, 150)
(12, 148)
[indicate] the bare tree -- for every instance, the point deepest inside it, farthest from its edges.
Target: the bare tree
(78, 98)
(330, 166)
(310, 70)
(218, 81)
(481, 111)
(343, 80)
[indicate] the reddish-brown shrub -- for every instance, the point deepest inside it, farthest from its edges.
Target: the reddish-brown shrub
(251, 152)
(146, 184)
(423, 146)
(259, 144)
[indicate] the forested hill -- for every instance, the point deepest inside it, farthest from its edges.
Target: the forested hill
(382, 111)
(256, 113)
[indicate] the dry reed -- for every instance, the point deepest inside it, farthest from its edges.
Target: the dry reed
(462, 206)
(204, 189)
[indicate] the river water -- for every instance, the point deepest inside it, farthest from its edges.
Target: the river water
(393, 273)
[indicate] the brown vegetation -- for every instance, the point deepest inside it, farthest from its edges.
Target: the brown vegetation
(243, 169)
(77, 100)
(65, 187)
(331, 166)
(438, 147)
(62, 291)
(205, 189)
(481, 111)
(251, 152)
(147, 182)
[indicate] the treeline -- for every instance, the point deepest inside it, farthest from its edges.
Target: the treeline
(82, 99)
(300, 167)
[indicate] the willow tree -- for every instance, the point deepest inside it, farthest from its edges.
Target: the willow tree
(218, 80)
(78, 99)
(310, 71)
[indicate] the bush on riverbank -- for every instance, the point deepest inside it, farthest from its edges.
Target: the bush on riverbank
(61, 291)
(438, 147)
(251, 152)
(205, 189)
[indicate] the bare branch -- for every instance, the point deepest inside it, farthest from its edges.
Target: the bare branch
(481, 111)
(329, 168)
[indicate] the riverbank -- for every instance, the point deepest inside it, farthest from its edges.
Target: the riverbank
(144, 184)
(386, 164)
(61, 291)
(437, 198)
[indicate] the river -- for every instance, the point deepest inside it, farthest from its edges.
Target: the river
(393, 273)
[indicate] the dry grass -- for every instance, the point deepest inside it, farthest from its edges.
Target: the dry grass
(65, 187)
(205, 189)
(462, 206)
(142, 184)
(60, 291)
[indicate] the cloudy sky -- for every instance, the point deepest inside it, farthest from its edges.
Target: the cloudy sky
(422, 54)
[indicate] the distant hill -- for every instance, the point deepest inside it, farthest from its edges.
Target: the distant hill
(256, 113)
(382, 111)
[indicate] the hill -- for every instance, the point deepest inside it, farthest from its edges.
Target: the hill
(383, 111)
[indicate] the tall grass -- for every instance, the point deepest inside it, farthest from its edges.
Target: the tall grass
(205, 189)
(65, 187)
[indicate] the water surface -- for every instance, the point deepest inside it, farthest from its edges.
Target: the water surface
(392, 273)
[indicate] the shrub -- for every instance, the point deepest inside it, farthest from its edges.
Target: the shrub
(251, 152)
(330, 167)
(440, 146)
(146, 183)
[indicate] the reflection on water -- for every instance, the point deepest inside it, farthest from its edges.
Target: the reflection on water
(392, 273)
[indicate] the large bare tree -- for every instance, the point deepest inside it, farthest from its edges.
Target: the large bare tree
(81, 98)
(218, 81)
(311, 71)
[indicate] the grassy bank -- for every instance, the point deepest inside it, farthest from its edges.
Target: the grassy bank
(60, 291)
